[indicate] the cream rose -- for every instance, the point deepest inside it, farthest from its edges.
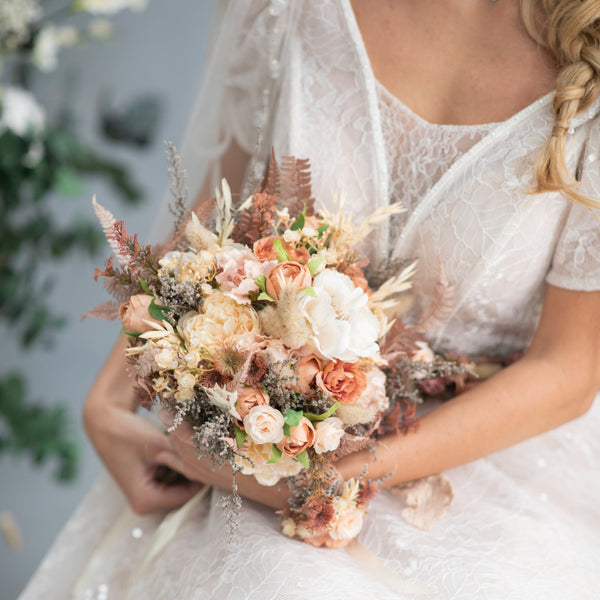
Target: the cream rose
(301, 437)
(264, 424)
(328, 434)
(287, 274)
(134, 314)
(347, 524)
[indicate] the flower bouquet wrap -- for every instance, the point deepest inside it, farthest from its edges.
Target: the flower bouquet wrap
(257, 325)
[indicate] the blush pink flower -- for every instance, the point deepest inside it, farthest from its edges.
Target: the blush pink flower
(301, 437)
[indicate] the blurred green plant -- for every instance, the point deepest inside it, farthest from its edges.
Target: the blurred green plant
(42, 166)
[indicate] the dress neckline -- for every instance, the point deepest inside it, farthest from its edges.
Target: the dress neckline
(394, 101)
(542, 100)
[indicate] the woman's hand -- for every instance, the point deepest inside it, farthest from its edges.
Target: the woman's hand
(183, 457)
(127, 443)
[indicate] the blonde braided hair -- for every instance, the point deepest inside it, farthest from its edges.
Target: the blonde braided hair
(570, 29)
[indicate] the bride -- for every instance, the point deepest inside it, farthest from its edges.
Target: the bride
(483, 119)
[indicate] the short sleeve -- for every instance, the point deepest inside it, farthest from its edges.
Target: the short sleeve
(576, 260)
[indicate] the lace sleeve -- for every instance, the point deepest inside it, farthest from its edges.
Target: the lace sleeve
(576, 261)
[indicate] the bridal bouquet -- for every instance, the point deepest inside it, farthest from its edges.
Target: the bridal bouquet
(260, 329)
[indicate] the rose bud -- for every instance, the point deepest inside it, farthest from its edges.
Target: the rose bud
(301, 437)
(249, 398)
(134, 314)
(285, 274)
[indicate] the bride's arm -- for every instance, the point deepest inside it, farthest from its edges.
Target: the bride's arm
(555, 382)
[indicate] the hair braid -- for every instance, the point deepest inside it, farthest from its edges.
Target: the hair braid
(571, 30)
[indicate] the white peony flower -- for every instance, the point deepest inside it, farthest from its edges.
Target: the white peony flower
(328, 434)
(107, 7)
(264, 424)
(20, 112)
(342, 325)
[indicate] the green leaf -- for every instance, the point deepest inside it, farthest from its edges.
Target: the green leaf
(68, 183)
(156, 311)
(302, 458)
(322, 229)
(292, 417)
(299, 222)
(261, 282)
(144, 286)
(265, 296)
(275, 456)
(240, 435)
(313, 264)
(130, 333)
(286, 429)
(312, 417)
(309, 291)
(282, 255)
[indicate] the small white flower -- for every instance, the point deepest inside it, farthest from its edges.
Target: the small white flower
(424, 353)
(309, 232)
(291, 236)
(20, 112)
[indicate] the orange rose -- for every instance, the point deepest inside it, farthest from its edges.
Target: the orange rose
(306, 370)
(342, 380)
(249, 398)
(301, 437)
(134, 312)
(264, 250)
(285, 274)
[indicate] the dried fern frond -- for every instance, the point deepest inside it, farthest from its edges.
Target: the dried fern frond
(108, 222)
(272, 184)
(296, 190)
(257, 219)
(441, 305)
(106, 310)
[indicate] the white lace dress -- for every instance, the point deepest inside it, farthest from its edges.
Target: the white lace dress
(525, 522)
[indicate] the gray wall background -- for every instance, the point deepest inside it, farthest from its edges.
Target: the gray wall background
(160, 51)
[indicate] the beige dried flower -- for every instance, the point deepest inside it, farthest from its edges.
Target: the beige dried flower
(285, 321)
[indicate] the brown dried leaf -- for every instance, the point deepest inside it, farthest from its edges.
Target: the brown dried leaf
(400, 340)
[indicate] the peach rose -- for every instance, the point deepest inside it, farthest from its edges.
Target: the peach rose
(249, 398)
(291, 274)
(306, 370)
(348, 524)
(301, 437)
(134, 313)
(264, 249)
(264, 424)
(342, 380)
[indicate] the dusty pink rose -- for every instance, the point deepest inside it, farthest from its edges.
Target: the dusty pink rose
(249, 398)
(301, 437)
(286, 274)
(306, 370)
(264, 249)
(134, 313)
(342, 380)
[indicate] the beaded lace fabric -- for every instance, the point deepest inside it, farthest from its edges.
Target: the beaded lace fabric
(525, 522)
